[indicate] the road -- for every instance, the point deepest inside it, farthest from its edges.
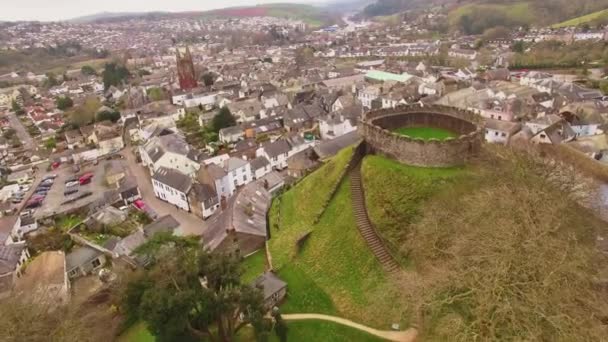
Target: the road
(22, 134)
(408, 335)
(190, 224)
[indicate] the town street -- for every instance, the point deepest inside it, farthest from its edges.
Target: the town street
(190, 224)
(24, 136)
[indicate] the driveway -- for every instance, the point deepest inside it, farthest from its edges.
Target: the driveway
(190, 224)
(24, 136)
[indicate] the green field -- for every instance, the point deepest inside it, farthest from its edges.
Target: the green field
(591, 17)
(426, 133)
(137, 333)
(253, 266)
(392, 212)
(513, 14)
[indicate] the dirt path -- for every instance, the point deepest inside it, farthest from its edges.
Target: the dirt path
(408, 335)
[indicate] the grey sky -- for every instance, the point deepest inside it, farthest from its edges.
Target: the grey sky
(13, 10)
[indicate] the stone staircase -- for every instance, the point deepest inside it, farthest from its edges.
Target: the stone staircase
(365, 225)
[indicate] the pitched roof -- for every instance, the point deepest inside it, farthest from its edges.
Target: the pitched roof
(234, 163)
(277, 148)
(173, 178)
(269, 283)
(80, 256)
(330, 148)
(204, 192)
(164, 224)
(259, 163)
(9, 257)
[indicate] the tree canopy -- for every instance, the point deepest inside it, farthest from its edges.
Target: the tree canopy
(223, 119)
(64, 102)
(108, 115)
(85, 113)
(88, 70)
(188, 293)
(114, 74)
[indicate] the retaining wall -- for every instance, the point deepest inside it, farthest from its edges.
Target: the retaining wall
(377, 129)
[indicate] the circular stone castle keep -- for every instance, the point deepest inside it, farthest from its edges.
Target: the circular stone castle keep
(377, 128)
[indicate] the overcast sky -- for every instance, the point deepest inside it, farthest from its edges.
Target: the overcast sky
(44, 10)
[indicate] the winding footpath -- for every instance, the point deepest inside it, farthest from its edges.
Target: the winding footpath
(408, 335)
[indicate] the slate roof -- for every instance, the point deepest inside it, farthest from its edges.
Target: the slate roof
(173, 143)
(234, 163)
(164, 224)
(259, 163)
(80, 256)
(173, 178)
(7, 223)
(9, 257)
(269, 283)
(250, 208)
(204, 193)
(277, 148)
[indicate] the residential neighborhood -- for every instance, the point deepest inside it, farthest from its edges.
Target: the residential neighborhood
(174, 153)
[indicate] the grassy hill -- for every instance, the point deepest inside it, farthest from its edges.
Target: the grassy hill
(333, 272)
(595, 17)
(475, 18)
(311, 15)
(495, 251)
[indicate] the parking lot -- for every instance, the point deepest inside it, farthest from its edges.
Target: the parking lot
(55, 199)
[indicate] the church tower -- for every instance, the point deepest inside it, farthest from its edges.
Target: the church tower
(185, 70)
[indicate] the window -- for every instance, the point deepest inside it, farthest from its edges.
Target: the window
(499, 117)
(96, 263)
(234, 173)
(244, 178)
(183, 197)
(495, 133)
(504, 134)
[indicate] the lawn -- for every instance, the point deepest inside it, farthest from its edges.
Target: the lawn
(426, 133)
(253, 266)
(334, 273)
(299, 207)
(137, 333)
(392, 212)
(599, 15)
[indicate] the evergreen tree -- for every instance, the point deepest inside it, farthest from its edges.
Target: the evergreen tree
(223, 119)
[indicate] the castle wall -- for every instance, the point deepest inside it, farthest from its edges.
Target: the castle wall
(377, 128)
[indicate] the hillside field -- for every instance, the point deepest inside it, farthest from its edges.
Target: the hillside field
(589, 18)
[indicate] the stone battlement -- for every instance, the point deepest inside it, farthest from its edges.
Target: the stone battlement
(377, 129)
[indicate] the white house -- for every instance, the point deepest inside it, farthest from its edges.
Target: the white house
(172, 186)
(231, 134)
(369, 94)
(276, 153)
(500, 132)
(238, 171)
(169, 151)
(335, 125)
(260, 167)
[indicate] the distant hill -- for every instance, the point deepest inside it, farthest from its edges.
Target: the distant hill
(314, 16)
(110, 15)
(475, 16)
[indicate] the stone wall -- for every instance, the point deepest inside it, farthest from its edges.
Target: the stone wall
(377, 127)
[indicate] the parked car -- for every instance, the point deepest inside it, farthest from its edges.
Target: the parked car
(85, 179)
(47, 182)
(25, 188)
(71, 179)
(33, 204)
(70, 191)
(47, 177)
(72, 184)
(43, 187)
